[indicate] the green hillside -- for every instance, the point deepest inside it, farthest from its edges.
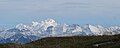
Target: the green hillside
(71, 42)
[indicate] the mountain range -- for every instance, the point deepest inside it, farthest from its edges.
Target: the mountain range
(50, 28)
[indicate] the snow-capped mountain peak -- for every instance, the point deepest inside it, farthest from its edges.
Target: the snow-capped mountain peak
(91, 30)
(35, 23)
(94, 30)
(21, 26)
(49, 22)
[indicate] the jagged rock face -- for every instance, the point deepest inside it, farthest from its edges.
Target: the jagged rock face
(50, 28)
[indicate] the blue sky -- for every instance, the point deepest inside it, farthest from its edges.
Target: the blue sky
(103, 12)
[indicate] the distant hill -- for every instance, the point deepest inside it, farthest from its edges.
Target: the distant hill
(71, 42)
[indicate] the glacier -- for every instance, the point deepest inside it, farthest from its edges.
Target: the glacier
(50, 28)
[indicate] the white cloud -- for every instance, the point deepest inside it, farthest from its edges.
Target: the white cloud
(78, 7)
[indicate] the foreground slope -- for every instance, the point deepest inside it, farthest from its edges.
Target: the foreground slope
(71, 42)
(78, 41)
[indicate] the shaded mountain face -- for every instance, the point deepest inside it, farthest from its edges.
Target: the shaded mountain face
(50, 28)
